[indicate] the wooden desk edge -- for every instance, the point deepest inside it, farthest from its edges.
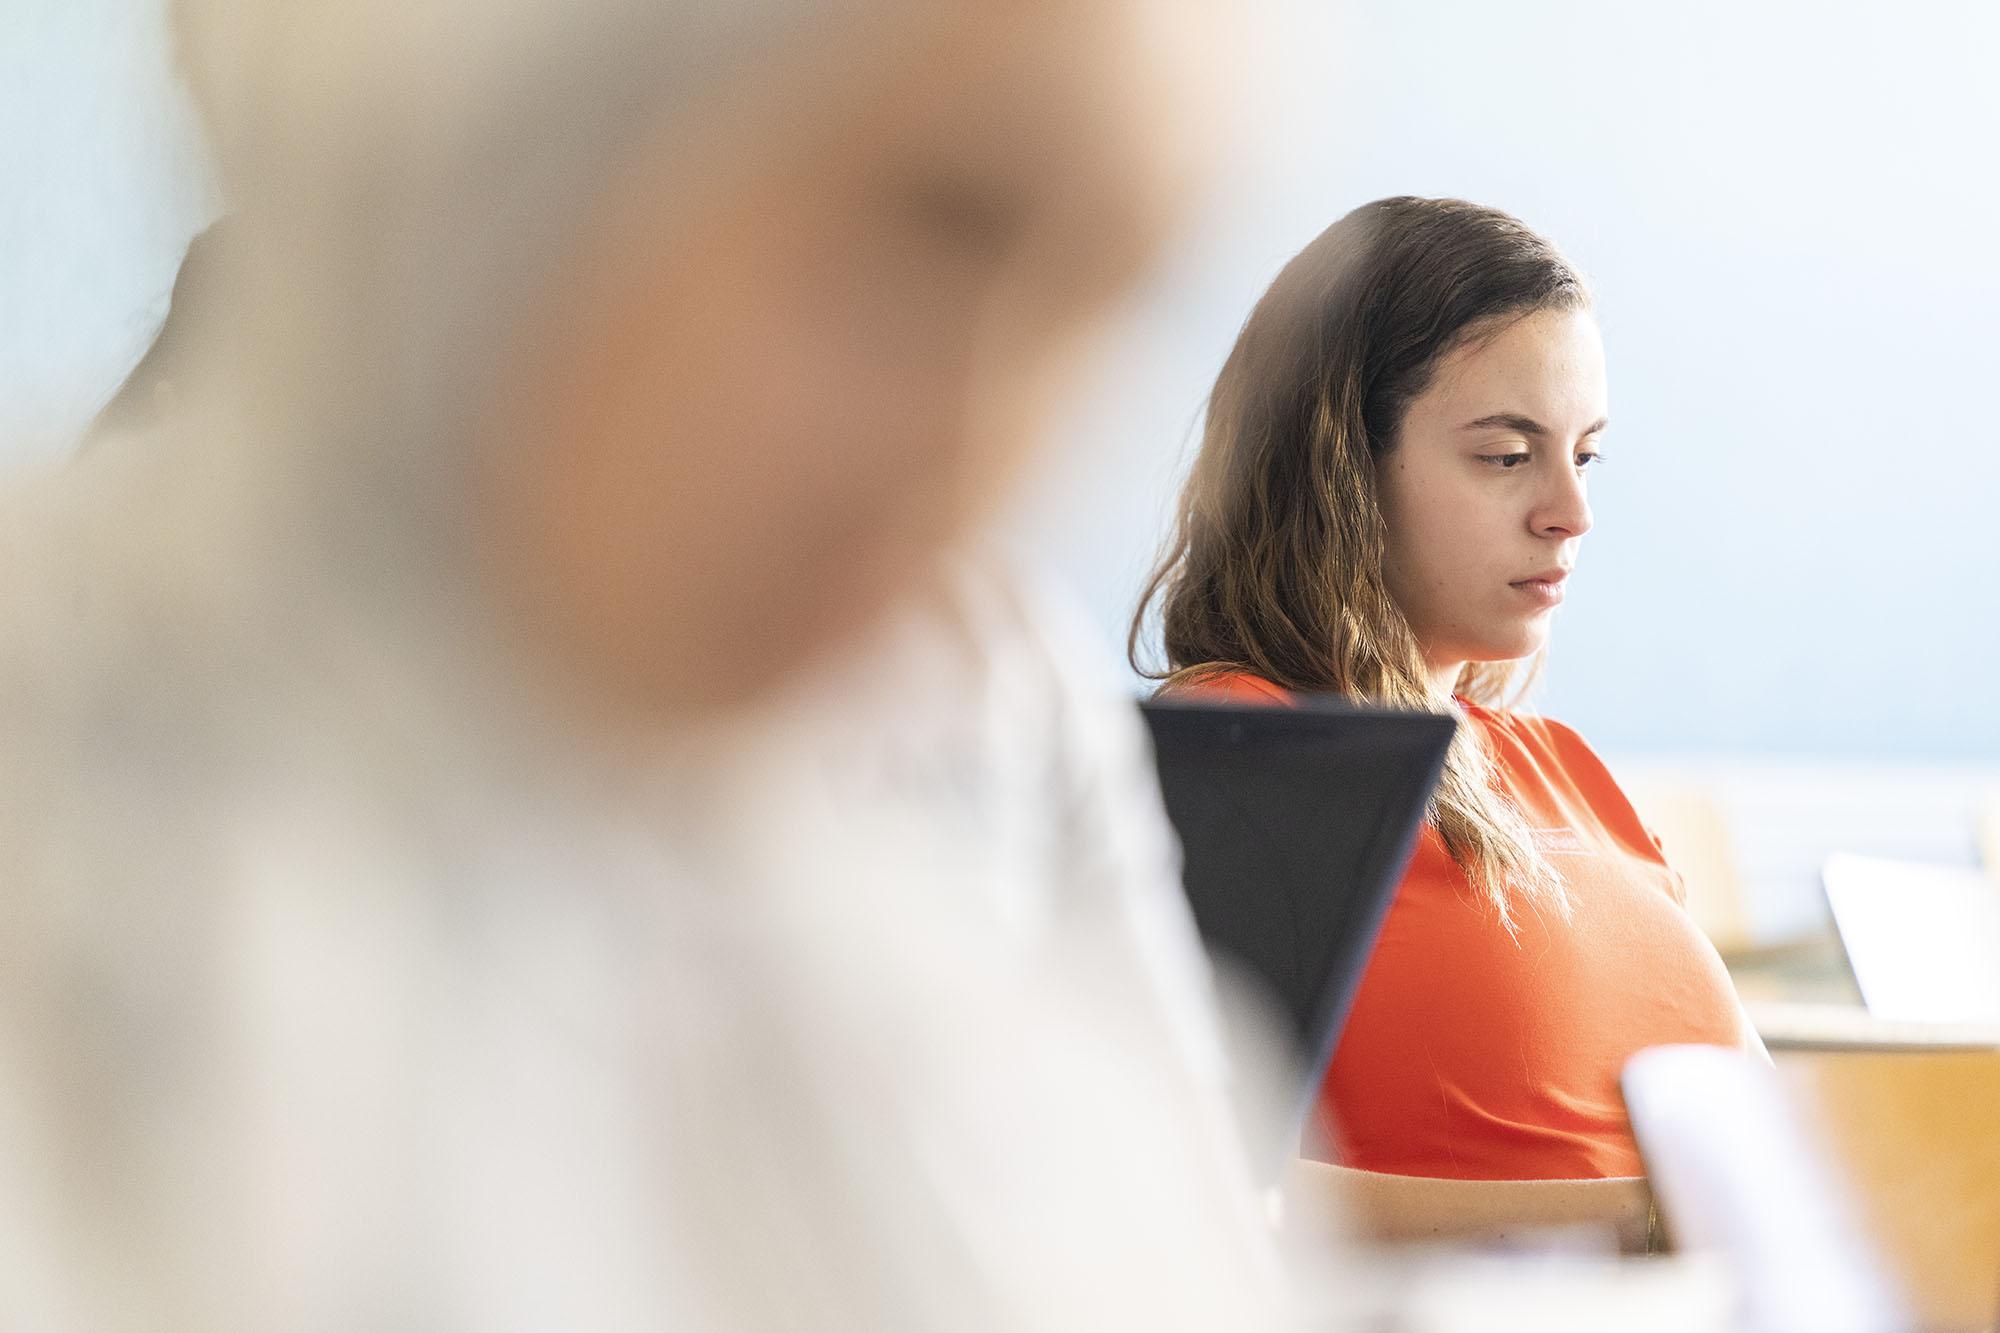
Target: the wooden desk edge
(1839, 1027)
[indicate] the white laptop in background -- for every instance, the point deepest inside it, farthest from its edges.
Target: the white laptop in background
(1923, 940)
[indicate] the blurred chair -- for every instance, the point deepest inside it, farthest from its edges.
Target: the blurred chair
(1695, 835)
(1743, 1181)
(1917, 1135)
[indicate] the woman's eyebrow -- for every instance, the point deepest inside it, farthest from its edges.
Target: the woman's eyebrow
(1508, 421)
(1527, 425)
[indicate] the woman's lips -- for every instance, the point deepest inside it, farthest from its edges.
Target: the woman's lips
(1543, 589)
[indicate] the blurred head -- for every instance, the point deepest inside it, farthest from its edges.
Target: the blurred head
(1389, 483)
(745, 430)
(683, 338)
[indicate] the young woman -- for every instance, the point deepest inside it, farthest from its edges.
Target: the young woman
(1389, 501)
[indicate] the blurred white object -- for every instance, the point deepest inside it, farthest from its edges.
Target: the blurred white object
(1923, 940)
(1987, 821)
(1738, 1176)
(1559, 1294)
(878, 1010)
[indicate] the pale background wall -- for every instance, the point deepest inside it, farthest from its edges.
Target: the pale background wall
(1793, 222)
(101, 184)
(1788, 209)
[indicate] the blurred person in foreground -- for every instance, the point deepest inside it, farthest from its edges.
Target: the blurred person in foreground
(515, 809)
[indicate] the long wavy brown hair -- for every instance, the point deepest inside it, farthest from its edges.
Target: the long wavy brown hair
(1274, 564)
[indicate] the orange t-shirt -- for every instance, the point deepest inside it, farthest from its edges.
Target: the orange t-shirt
(1477, 1055)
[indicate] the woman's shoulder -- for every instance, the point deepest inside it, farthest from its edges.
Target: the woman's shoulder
(1535, 731)
(1562, 758)
(1226, 685)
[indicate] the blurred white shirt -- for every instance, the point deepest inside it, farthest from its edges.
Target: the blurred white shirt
(879, 1010)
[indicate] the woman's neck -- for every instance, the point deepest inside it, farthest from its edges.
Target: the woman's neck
(1444, 678)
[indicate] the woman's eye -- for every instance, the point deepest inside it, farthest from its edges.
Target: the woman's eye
(1586, 457)
(1505, 460)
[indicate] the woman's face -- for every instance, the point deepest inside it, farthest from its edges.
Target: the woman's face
(1484, 492)
(791, 368)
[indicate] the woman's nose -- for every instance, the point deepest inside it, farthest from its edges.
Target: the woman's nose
(1564, 510)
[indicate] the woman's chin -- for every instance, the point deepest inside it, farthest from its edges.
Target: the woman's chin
(1510, 649)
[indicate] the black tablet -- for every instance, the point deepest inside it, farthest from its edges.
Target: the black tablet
(1296, 824)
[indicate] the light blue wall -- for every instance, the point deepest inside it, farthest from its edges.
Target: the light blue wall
(1792, 218)
(1789, 211)
(101, 184)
